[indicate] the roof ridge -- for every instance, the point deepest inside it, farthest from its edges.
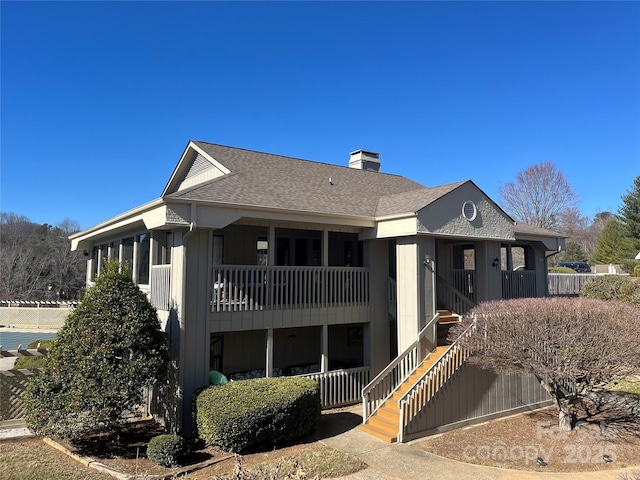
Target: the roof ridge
(346, 167)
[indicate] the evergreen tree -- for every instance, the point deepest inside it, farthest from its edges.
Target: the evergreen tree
(613, 246)
(108, 350)
(573, 253)
(629, 214)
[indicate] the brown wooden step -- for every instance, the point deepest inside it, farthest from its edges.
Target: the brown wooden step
(447, 316)
(390, 413)
(383, 433)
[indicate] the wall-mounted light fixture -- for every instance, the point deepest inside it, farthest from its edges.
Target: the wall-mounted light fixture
(496, 262)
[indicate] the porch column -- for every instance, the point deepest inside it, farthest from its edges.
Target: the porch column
(376, 333)
(135, 260)
(87, 277)
(325, 248)
(175, 329)
(268, 364)
(415, 287)
(509, 257)
(488, 271)
(120, 253)
(324, 348)
(100, 258)
(271, 251)
(153, 250)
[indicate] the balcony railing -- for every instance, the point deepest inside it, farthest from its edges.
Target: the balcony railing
(246, 288)
(518, 284)
(340, 387)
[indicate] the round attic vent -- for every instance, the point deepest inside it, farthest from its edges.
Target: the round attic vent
(469, 210)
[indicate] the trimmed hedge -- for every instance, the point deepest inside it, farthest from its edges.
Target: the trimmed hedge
(613, 287)
(251, 413)
(166, 450)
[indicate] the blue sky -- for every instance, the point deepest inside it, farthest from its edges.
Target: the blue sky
(99, 99)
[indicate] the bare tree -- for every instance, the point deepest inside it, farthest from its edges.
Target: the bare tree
(539, 196)
(36, 261)
(573, 346)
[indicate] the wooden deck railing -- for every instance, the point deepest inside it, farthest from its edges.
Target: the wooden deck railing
(245, 288)
(423, 390)
(340, 387)
(388, 380)
(518, 284)
(160, 286)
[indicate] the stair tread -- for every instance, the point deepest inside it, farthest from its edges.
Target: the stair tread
(382, 435)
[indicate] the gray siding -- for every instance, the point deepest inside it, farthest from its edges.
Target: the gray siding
(475, 395)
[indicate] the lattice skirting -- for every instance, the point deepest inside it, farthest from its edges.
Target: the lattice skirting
(13, 385)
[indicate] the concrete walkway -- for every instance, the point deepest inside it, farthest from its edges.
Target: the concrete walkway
(406, 461)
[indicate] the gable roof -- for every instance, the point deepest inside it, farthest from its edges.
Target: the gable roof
(283, 183)
(414, 200)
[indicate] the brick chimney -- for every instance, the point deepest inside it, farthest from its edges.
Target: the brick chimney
(363, 160)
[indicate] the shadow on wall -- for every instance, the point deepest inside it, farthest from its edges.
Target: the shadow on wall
(165, 398)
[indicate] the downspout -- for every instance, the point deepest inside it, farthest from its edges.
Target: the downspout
(193, 225)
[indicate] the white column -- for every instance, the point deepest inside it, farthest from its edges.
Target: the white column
(408, 275)
(269, 353)
(90, 267)
(100, 256)
(120, 251)
(324, 348)
(136, 254)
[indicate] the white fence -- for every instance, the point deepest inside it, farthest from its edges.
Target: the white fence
(34, 314)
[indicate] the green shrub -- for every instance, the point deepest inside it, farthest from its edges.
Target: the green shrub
(33, 362)
(166, 450)
(629, 266)
(613, 287)
(107, 351)
(46, 344)
(30, 363)
(251, 413)
(636, 271)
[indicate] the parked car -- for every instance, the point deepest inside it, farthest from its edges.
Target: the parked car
(580, 267)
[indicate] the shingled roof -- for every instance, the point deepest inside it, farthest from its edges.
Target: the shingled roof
(277, 182)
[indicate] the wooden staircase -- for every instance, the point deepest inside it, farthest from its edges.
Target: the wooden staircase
(445, 322)
(385, 422)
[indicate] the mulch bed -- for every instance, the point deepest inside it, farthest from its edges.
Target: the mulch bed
(517, 442)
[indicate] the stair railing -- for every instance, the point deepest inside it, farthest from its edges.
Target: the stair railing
(392, 376)
(423, 390)
(452, 298)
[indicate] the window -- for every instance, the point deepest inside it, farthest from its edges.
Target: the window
(144, 243)
(127, 254)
